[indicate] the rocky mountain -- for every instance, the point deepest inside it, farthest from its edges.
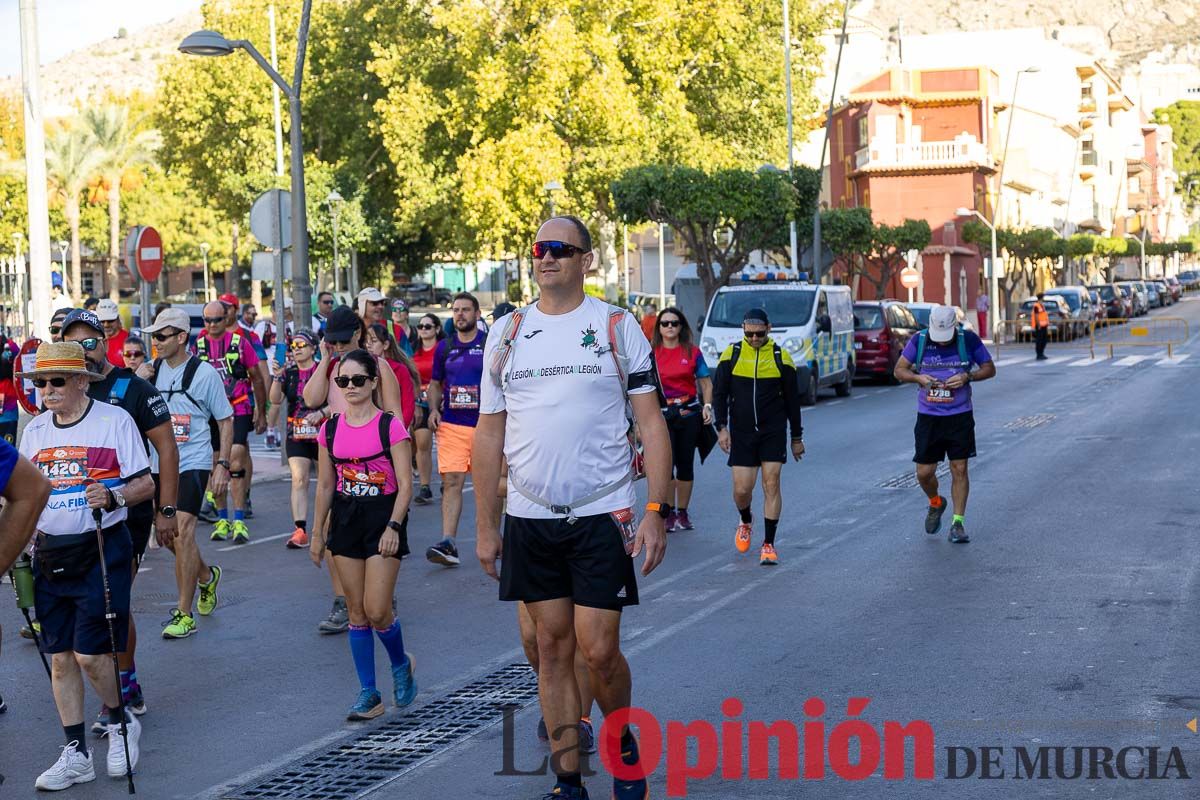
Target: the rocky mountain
(123, 65)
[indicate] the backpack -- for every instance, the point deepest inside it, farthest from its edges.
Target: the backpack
(616, 347)
(232, 358)
(959, 338)
(737, 353)
(189, 372)
(385, 441)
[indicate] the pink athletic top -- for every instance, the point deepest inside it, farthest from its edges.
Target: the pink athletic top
(373, 477)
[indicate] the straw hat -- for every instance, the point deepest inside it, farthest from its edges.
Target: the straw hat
(61, 358)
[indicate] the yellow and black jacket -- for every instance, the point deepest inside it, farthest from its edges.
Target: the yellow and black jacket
(756, 390)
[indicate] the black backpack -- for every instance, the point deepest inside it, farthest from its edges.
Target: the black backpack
(385, 439)
(189, 372)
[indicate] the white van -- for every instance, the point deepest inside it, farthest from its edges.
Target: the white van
(813, 322)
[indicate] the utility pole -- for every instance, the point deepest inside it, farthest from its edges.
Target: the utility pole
(787, 80)
(35, 175)
(818, 247)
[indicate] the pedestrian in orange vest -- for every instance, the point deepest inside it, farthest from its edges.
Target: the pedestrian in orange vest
(1041, 326)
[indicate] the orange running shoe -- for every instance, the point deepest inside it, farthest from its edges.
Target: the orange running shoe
(299, 539)
(767, 556)
(741, 539)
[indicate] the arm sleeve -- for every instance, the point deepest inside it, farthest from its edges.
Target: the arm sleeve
(910, 350)
(249, 350)
(152, 409)
(721, 387)
(702, 370)
(979, 351)
(131, 456)
(399, 431)
(491, 395)
(212, 392)
(643, 373)
(791, 394)
(439, 361)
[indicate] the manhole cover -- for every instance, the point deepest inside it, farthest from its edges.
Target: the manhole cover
(908, 480)
(1032, 421)
(363, 762)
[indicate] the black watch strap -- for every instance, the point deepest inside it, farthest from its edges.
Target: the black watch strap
(396, 526)
(223, 463)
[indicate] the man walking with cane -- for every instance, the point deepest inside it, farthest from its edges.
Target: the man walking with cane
(93, 455)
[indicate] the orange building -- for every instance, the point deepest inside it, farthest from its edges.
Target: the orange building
(920, 144)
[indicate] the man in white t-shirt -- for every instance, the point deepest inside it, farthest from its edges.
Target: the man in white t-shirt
(93, 456)
(554, 403)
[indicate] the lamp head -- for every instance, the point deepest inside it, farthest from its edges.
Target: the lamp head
(206, 43)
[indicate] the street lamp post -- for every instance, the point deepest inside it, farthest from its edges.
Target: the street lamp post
(550, 188)
(993, 276)
(211, 43)
(335, 200)
(787, 80)
(1142, 244)
(63, 246)
(204, 247)
(1012, 114)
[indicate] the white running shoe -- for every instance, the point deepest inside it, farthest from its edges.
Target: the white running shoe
(71, 768)
(116, 747)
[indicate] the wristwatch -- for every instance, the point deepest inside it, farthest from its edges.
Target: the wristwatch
(396, 526)
(168, 512)
(223, 463)
(115, 500)
(662, 509)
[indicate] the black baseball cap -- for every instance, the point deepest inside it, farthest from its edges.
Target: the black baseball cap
(342, 325)
(84, 317)
(501, 309)
(60, 315)
(756, 315)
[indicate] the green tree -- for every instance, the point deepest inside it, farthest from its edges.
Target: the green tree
(848, 233)
(122, 147)
(1108, 251)
(1184, 118)
(889, 246)
(72, 159)
(723, 216)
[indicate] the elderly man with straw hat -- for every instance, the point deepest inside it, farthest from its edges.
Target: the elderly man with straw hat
(93, 456)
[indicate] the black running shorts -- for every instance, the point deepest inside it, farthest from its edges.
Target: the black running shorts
(547, 559)
(242, 425)
(751, 448)
(193, 483)
(939, 437)
(356, 524)
(303, 448)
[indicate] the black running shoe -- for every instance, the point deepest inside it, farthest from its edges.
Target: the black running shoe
(958, 535)
(444, 553)
(933, 519)
(424, 496)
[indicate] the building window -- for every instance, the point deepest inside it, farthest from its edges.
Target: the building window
(863, 128)
(198, 280)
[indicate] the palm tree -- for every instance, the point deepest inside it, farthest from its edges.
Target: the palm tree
(122, 147)
(72, 159)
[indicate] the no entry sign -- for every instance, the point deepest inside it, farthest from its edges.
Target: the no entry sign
(143, 253)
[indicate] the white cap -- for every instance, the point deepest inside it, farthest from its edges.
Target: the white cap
(107, 311)
(943, 321)
(371, 294)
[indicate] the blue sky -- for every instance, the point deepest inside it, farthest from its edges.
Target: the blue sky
(66, 25)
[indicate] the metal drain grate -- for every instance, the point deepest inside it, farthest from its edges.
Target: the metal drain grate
(1032, 421)
(363, 762)
(908, 480)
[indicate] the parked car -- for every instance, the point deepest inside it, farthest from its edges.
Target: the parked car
(1190, 279)
(417, 294)
(1056, 309)
(1099, 309)
(1116, 300)
(920, 312)
(1175, 286)
(1141, 297)
(881, 330)
(1153, 298)
(1079, 308)
(1164, 292)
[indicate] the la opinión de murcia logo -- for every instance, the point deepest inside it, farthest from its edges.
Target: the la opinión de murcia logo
(853, 750)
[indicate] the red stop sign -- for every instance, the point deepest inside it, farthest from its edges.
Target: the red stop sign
(147, 254)
(910, 278)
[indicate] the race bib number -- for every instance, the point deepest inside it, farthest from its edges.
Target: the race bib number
(357, 481)
(627, 525)
(464, 398)
(181, 426)
(939, 395)
(301, 430)
(64, 467)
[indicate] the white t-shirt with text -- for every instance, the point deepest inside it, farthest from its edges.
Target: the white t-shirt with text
(565, 436)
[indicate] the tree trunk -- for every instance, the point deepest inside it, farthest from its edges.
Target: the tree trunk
(71, 210)
(114, 236)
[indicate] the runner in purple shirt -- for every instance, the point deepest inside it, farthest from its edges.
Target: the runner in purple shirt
(944, 361)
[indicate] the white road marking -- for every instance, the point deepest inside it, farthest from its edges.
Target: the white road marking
(1173, 361)
(254, 542)
(1087, 362)
(832, 402)
(1055, 360)
(1129, 361)
(859, 397)
(1008, 362)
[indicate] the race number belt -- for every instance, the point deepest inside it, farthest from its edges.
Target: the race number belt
(302, 430)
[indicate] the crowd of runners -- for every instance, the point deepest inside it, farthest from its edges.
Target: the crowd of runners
(147, 436)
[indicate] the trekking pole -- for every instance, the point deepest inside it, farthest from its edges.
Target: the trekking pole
(21, 576)
(109, 616)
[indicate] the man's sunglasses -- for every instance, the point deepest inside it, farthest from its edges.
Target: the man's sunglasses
(213, 320)
(359, 381)
(90, 343)
(57, 383)
(668, 323)
(134, 354)
(162, 337)
(55, 330)
(755, 334)
(556, 250)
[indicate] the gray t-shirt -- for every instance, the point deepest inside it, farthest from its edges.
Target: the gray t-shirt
(190, 415)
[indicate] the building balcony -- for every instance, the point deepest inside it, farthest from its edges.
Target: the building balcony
(1139, 200)
(963, 151)
(1087, 105)
(1089, 161)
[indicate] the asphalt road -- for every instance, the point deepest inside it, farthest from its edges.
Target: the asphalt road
(1069, 620)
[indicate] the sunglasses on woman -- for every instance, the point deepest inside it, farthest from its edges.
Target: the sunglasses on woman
(557, 250)
(668, 323)
(55, 330)
(57, 383)
(134, 354)
(425, 326)
(300, 344)
(359, 381)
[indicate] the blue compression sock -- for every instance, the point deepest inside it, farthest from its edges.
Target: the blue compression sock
(239, 515)
(223, 513)
(362, 648)
(393, 641)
